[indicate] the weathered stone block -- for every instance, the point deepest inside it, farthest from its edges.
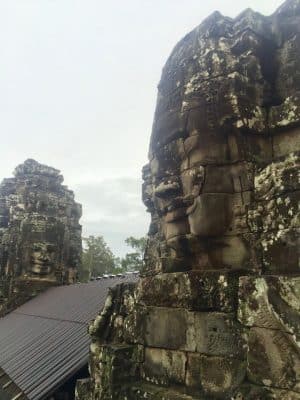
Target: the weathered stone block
(219, 97)
(134, 325)
(164, 367)
(83, 389)
(273, 359)
(277, 180)
(232, 178)
(119, 317)
(255, 392)
(193, 290)
(172, 122)
(281, 253)
(216, 376)
(256, 148)
(174, 228)
(210, 214)
(288, 73)
(167, 328)
(271, 302)
(206, 148)
(227, 252)
(286, 143)
(285, 114)
(167, 161)
(173, 264)
(234, 253)
(209, 333)
(273, 216)
(113, 366)
(144, 390)
(173, 394)
(216, 334)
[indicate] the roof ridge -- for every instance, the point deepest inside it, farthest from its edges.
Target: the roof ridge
(52, 318)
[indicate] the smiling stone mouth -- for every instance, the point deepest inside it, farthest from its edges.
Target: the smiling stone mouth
(42, 263)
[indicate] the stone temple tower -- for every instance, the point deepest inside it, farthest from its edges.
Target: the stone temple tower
(40, 234)
(216, 312)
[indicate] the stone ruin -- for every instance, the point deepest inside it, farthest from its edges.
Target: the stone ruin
(216, 312)
(40, 234)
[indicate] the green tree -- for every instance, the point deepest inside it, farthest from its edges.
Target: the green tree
(97, 258)
(134, 261)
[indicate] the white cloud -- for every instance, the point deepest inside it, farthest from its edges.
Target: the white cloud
(113, 208)
(78, 89)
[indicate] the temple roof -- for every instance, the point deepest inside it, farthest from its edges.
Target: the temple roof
(45, 341)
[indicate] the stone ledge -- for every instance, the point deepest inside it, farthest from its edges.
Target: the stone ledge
(216, 333)
(193, 290)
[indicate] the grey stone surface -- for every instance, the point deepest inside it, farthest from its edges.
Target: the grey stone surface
(40, 234)
(217, 307)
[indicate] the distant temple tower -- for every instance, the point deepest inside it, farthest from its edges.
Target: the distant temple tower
(40, 234)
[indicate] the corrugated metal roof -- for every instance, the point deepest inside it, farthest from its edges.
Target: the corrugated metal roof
(45, 341)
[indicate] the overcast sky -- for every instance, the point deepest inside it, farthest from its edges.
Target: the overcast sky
(78, 88)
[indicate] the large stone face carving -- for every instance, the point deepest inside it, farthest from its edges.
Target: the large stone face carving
(215, 314)
(40, 235)
(224, 142)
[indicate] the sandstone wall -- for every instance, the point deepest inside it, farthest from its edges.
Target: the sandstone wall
(216, 312)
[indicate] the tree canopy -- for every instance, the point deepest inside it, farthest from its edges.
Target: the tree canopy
(98, 259)
(133, 261)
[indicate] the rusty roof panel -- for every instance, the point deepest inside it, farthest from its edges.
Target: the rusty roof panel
(45, 341)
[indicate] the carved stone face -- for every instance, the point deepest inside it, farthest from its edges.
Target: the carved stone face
(42, 258)
(199, 209)
(221, 119)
